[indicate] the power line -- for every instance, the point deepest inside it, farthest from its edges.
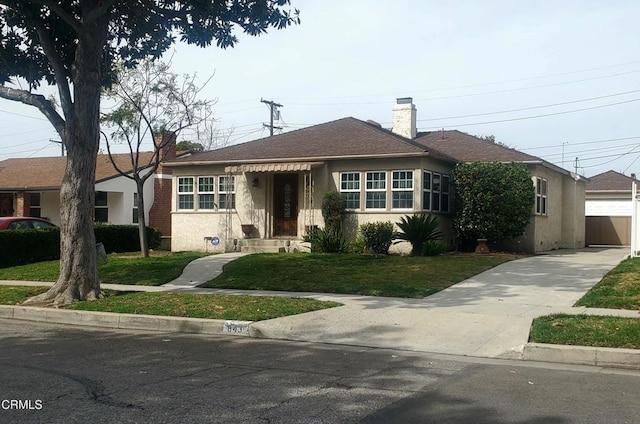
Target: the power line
(536, 116)
(531, 107)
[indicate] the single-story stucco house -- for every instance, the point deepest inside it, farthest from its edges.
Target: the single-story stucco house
(272, 188)
(608, 209)
(31, 187)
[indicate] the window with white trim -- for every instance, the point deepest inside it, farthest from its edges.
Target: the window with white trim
(376, 190)
(134, 214)
(185, 193)
(541, 195)
(350, 189)
(206, 193)
(101, 209)
(436, 192)
(426, 190)
(445, 193)
(34, 205)
(227, 192)
(436, 187)
(402, 190)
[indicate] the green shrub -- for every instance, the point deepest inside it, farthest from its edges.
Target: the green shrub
(434, 248)
(328, 240)
(19, 247)
(333, 209)
(418, 229)
(377, 236)
(125, 238)
(493, 201)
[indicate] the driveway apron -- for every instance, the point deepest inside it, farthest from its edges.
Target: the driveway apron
(488, 315)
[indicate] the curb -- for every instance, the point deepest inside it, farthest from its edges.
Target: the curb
(582, 355)
(126, 321)
(538, 352)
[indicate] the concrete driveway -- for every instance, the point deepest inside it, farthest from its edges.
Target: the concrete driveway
(488, 315)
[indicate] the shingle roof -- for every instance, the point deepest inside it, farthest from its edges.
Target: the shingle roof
(467, 148)
(610, 181)
(47, 173)
(347, 137)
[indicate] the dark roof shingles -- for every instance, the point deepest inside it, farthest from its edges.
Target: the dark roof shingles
(610, 181)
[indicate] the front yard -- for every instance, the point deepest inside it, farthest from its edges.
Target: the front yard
(619, 289)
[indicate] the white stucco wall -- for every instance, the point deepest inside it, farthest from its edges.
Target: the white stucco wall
(120, 192)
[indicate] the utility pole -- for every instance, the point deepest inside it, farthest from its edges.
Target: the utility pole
(273, 110)
(60, 143)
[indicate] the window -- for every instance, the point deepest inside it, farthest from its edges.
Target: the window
(376, 190)
(445, 195)
(101, 210)
(34, 205)
(426, 190)
(350, 189)
(206, 192)
(134, 215)
(436, 192)
(541, 196)
(436, 187)
(185, 193)
(402, 190)
(227, 190)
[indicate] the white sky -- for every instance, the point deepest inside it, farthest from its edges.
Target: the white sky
(480, 66)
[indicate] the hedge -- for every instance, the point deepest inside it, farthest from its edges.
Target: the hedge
(19, 247)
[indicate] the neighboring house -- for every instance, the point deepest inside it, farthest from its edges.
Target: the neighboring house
(608, 209)
(272, 188)
(31, 187)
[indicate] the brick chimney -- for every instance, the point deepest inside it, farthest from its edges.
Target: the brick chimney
(404, 118)
(160, 213)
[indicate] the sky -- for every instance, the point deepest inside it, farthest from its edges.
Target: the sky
(556, 79)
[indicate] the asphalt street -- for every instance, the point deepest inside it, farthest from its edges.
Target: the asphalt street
(56, 374)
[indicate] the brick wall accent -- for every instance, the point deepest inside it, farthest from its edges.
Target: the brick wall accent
(23, 204)
(160, 213)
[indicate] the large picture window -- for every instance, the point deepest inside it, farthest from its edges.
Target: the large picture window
(376, 190)
(350, 189)
(402, 190)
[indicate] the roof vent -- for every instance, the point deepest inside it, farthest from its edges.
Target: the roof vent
(374, 123)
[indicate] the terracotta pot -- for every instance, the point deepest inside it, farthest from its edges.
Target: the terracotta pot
(482, 247)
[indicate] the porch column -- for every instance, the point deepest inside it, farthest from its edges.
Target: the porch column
(23, 204)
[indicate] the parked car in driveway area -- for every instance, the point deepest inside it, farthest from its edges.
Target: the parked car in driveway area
(24, 223)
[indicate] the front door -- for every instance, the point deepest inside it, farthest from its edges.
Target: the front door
(285, 205)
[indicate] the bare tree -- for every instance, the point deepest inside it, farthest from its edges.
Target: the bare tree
(151, 103)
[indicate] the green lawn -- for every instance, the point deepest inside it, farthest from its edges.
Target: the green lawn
(619, 289)
(122, 268)
(395, 276)
(583, 330)
(244, 308)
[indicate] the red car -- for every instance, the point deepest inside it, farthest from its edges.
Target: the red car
(24, 223)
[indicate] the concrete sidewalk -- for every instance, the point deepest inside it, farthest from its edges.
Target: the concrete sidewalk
(488, 315)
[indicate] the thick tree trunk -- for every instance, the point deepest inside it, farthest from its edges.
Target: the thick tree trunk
(78, 278)
(142, 221)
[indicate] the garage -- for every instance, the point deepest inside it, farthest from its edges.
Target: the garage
(608, 230)
(608, 209)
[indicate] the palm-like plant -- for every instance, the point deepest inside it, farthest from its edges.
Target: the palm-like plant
(417, 230)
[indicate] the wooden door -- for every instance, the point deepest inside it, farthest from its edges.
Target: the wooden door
(285, 205)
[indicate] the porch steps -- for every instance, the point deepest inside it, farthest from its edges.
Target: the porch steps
(263, 245)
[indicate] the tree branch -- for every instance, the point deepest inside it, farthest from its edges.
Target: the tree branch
(57, 9)
(39, 101)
